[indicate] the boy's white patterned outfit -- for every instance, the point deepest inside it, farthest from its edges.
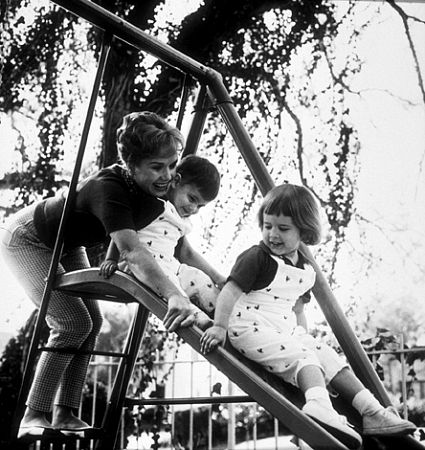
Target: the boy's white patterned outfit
(161, 237)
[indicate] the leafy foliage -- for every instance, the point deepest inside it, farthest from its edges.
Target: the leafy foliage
(32, 86)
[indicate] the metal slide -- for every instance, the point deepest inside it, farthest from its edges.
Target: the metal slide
(281, 400)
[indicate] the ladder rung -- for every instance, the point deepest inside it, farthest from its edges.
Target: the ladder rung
(57, 437)
(76, 351)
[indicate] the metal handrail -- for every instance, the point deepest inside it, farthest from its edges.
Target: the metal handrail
(107, 21)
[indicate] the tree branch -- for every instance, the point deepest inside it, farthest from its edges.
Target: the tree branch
(405, 253)
(405, 18)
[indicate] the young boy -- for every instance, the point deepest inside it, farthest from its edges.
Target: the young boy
(197, 183)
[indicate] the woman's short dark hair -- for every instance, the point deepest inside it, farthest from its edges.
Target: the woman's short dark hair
(298, 203)
(143, 134)
(201, 173)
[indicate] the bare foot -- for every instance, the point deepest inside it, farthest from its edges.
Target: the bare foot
(71, 424)
(64, 419)
(33, 418)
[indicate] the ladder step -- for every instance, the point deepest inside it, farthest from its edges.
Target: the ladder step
(61, 437)
(76, 351)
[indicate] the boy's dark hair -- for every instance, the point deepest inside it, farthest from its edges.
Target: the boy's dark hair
(142, 134)
(298, 203)
(202, 173)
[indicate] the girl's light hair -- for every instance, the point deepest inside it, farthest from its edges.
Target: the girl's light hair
(298, 203)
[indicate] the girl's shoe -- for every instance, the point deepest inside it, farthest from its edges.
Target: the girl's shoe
(386, 422)
(337, 425)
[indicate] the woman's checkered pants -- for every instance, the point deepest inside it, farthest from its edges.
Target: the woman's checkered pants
(59, 378)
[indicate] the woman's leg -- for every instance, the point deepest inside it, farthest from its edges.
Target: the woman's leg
(67, 317)
(68, 397)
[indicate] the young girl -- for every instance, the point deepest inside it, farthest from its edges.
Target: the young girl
(115, 202)
(197, 183)
(266, 284)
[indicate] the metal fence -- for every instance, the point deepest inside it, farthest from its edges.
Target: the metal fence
(185, 380)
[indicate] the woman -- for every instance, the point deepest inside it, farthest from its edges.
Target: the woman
(114, 202)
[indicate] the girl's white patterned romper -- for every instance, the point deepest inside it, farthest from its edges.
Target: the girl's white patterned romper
(262, 326)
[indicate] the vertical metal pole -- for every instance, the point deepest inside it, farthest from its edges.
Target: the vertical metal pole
(231, 439)
(254, 426)
(112, 416)
(57, 250)
(198, 122)
(210, 409)
(94, 401)
(122, 425)
(390, 372)
(110, 368)
(173, 393)
(183, 101)
(403, 376)
(191, 405)
(276, 433)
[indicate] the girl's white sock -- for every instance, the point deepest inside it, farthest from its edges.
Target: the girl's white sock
(365, 403)
(317, 393)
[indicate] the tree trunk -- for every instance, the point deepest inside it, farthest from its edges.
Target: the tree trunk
(119, 97)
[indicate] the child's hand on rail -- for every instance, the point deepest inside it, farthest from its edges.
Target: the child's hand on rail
(107, 268)
(212, 337)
